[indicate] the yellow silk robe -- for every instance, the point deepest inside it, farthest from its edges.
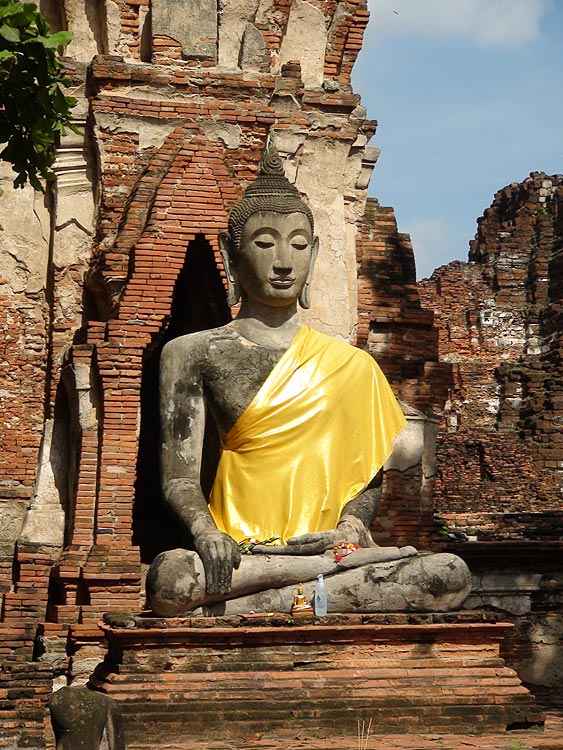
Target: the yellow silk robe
(316, 433)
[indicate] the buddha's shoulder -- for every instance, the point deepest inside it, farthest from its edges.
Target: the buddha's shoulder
(341, 349)
(196, 346)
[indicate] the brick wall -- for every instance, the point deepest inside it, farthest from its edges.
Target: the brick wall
(402, 337)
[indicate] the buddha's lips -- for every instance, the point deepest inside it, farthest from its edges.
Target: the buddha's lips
(284, 282)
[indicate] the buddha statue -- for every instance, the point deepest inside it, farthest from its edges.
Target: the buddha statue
(306, 423)
(301, 604)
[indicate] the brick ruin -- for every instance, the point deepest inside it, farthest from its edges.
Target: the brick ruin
(499, 320)
(121, 255)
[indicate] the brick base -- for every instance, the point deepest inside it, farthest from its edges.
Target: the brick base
(210, 680)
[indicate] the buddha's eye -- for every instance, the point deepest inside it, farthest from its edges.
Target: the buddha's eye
(264, 244)
(299, 243)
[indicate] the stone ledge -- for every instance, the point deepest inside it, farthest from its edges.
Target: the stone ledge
(197, 678)
(311, 634)
(128, 620)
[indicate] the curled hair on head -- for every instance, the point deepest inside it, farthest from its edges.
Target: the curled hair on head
(270, 191)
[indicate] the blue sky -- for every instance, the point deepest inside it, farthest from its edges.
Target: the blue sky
(469, 98)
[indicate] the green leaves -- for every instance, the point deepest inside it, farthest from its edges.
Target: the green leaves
(60, 39)
(9, 33)
(34, 111)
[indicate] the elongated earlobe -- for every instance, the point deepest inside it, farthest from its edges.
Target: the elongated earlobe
(305, 296)
(227, 251)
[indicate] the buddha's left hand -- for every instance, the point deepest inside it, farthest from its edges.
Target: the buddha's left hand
(306, 544)
(349, 529)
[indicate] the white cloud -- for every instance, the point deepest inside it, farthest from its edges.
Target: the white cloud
(433, 243)
(487, 23)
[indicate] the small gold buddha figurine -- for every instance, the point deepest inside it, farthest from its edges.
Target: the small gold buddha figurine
(301, 605)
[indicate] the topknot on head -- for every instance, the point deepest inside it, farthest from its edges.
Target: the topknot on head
(270, 191)
(270, 163)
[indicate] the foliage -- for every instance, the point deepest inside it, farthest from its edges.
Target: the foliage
(34, 111)
(247, 545)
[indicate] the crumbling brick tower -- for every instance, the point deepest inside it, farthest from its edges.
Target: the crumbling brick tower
(500, 325)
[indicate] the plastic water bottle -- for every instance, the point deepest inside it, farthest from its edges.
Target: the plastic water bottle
(321, 598)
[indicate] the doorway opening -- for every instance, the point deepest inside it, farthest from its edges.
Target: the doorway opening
(199, 303)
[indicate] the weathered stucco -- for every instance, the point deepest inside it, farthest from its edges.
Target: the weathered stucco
(192, 23)
(24, 246)
(24, 317)
(545, 665)
(305, 40)
(84, 19)
(236, 15)
(322, 174)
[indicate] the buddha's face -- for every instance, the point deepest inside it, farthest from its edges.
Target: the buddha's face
(275, 257)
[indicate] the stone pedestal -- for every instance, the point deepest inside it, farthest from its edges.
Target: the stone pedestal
(234, 679)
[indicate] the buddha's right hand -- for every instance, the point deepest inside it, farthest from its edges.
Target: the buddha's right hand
(219, 554)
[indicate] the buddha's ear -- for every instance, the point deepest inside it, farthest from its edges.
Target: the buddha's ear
(305, 296)
(226, 249)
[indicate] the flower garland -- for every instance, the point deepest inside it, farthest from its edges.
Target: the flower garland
(343, 549)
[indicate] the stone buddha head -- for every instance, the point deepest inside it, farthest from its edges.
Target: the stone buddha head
(270, 248)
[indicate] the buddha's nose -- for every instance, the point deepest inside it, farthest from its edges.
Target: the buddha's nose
(282, 262)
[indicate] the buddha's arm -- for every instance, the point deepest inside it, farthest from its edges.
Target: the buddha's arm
(182, 411)
(358, 515)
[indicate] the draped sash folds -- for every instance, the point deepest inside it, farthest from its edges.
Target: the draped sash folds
(316, 433)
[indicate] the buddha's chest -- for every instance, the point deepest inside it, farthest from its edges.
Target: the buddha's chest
(234, 372)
